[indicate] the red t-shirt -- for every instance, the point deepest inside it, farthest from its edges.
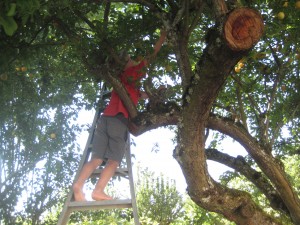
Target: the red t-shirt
(130, 79)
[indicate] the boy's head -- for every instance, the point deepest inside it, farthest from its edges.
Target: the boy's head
(124, 56)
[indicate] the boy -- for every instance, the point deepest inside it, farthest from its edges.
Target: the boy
(111, 132)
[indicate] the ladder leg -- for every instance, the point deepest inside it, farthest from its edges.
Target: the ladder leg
(131, 183)
(64, 216)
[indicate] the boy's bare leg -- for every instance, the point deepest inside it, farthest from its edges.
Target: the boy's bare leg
(85, 173)
(98, 194)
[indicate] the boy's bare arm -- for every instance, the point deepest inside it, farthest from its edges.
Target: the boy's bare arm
(157, 46)
(159, 43)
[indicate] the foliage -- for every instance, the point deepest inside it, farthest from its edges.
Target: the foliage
(40, 99)
(111, 216)
(158, 200)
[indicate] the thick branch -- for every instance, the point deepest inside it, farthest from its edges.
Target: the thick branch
(162, 115)
(241, 166)
(271, 168)
(219, 8)
(105, 72)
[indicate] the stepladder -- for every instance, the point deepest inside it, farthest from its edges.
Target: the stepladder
(123, 171)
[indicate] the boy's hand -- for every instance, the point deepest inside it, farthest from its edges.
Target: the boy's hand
(161, 88)
(143, 95)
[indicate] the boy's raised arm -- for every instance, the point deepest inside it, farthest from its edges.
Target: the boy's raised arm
(157, 46)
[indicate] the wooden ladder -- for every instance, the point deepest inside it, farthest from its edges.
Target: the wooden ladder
(126, 172)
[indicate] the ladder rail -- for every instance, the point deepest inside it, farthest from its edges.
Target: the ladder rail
(65, 214)
(131, 183)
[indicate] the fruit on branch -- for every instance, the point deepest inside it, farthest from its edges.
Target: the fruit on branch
(3, 76)
(52, 135)
(281, 15)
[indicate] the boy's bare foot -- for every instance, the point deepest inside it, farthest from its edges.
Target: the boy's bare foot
(100, 196)
(78, 193)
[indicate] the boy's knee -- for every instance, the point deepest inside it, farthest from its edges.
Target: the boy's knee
(96, 161)
(113, 163)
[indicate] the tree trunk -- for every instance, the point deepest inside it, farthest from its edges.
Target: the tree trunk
(227, 44)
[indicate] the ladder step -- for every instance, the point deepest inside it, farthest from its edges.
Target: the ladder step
(105, 204)
(119, 172)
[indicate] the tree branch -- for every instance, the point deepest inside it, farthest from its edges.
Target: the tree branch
(267, 163)
(219, 7)
(173, 5)
(241, 107)
(146, 3)
(106, 14)
(162, 114)
(109, 73)
(240, 165)
(85, 19)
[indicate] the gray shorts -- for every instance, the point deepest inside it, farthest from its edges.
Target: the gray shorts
(110, 138)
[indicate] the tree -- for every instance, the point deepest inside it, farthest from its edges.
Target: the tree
(224, 76)
(158, 200)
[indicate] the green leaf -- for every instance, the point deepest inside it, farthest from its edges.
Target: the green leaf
(9, 24)
(12, 9)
